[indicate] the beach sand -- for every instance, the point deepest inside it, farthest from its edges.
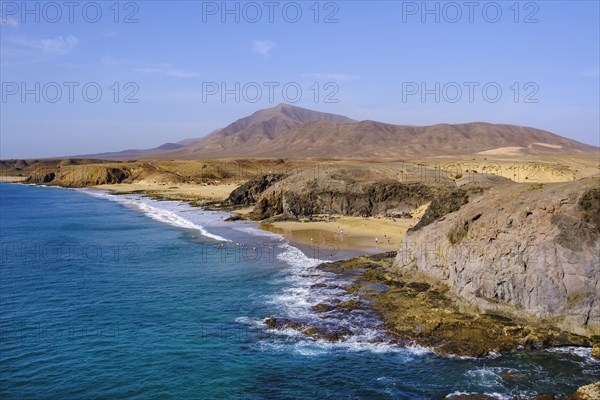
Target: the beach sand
(182, 192)
(353, 236)
(8, 178)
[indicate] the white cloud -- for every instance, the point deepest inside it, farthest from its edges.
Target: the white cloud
(71, 65)
(160, 69)
(167, 70)
(181, 74)
(110, 60)
(58, 44)
(331, 77)
(55, 45)
(9, 21)
(262, 47)
(590, 73)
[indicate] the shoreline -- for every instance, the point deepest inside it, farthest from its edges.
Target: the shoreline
(355, 236)
(288, 232)
(327, 237)
(425, 295)
(12, 179)
(294, 232)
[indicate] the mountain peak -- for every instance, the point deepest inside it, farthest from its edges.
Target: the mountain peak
(287, 130)
(302, 114)
(283, 106)
(292, 107)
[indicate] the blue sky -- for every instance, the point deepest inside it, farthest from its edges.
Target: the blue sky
(367, 60)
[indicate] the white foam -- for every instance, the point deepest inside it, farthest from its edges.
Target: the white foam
(493, 394)
(259, 232)
(297, 259)
(296, 302)
(250, 322)
(151, 209)
(297, 298)
(583, 352)
(491, 377)
(38, 185)
(320, 347)
(171, 218)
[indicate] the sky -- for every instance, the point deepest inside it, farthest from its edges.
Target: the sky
(90, 77)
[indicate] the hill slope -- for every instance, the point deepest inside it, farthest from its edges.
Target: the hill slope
(289, 131)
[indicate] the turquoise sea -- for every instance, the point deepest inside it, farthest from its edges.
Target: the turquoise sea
(119, 297)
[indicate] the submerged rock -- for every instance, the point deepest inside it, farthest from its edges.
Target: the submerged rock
(332, 333)
(419, 310)
(596, 350)
(587, 392)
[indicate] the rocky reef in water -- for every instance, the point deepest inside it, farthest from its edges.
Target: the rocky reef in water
(416, 309)
(587, 392)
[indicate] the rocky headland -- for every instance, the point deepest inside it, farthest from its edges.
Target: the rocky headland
(416, 309)
(520, 251)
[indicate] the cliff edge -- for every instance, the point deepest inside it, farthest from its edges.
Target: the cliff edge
(525, 251)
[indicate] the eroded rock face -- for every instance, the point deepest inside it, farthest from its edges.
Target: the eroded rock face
(249, 192)
(441, 205)
(521, 251)
(87, 176)
(344, 194)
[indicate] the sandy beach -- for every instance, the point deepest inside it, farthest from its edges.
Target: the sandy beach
(329, 235)
(10, 179)
(182, 192)
(325, 236)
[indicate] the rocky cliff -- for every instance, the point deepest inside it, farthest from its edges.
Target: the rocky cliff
(519, 250)
(249, 193)
(342, 192)
(84, 173)
(82, 177)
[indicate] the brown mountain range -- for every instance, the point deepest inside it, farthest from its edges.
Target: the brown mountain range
(291, 131)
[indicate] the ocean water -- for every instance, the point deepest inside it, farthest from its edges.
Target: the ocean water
(115, 297)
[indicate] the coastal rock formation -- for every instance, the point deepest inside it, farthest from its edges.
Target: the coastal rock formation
(421, 310)
(518, 250)
(587, 392)
(99, 175)
(441, 205)
(249, 192)
(85, 172)
(596, 350)
(343, 192)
